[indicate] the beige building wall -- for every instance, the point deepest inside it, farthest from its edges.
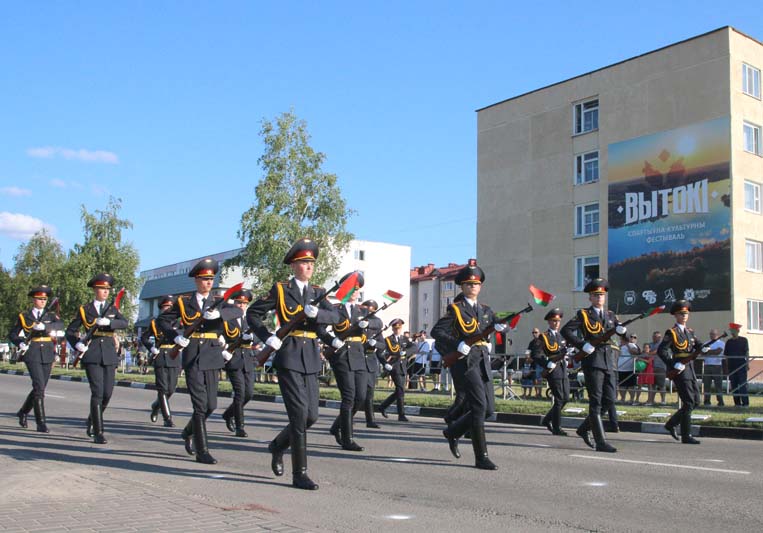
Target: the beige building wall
(526, 150)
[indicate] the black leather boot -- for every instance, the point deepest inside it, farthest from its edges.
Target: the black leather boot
(452, 443)
(686, 437)
(597, 426)
(39, 415)
(300, 478)
(334, 430)
(200, 440)
(276, 449)
(89, 428)
(155, 408)
(401, 411)
(672, 423)
(228, 417)
(546, 422)
(164, 404)
(25, 408)
(479, 445)
(97, 416)
(369, 409)
(347, 441)
(584, 432)
(188, 437)
(238, 416)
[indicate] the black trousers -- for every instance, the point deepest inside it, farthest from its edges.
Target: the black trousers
(40, 374)
(300, 397)
(101, 379)
(368, 404)
(242, 383)
(457, 408)
(202, 385)
(600, 385)
(560, 392)
(688, 390)
(738, 382)
(398, 378)
(352, 386)
(166, 379)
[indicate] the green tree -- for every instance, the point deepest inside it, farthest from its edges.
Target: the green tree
(11, 300)
(294, 198)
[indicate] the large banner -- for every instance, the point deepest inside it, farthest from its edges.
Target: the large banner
(670, 219)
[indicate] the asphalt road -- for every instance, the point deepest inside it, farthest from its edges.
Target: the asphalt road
(405, 479)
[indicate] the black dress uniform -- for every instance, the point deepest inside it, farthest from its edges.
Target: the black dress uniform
(372, 349)
(395, 354)
(101, 358)
(678, 343)
(462, 320)
(598, 367)
(240, 369)
(349, 366)
(34, 330)
(166, 368)
(550, 344)
(457, 407)
(297, 361)
(202, 357)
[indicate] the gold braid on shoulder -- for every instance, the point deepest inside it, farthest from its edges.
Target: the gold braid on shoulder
(283, 309)
(680, 346)
(87, 324)
(183, 316)
(467, 327)
(593, 329)
(549, 347)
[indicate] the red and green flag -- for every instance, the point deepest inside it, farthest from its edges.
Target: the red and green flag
(392, 296)
(654, 310)
(542, 298)
(347, 288)
(514, 321)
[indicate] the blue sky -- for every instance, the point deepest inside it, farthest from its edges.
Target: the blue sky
(159, 104)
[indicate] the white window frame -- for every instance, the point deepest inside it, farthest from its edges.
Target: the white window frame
(579, 113)
(751, 80)
(754, 311)
(581, 212)
(580, 264)
(753, 253)
(448, 285)
(754, 130)
(581, 170)
(755, 191)
(360, 255)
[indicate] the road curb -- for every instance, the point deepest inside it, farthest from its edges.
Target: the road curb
(437, 412)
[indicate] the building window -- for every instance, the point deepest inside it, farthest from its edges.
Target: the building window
(425, 296)
(586, 220)
(586, 269)
(754, 256)
(586, 116)
(751, 138)
(426, 311)
(360, 255)
(750, 80)
(448, 285)
(587, 168)
(755, 315)
(752, 196)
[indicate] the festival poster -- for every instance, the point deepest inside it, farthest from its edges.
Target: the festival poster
(670, 219)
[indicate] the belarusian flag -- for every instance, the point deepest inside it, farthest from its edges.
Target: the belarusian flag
(392, 296)
(542, 298)
(514, 321)
(654, 310)
(347, 288)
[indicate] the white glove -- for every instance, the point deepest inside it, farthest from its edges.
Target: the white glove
(588, 348)
(103, 321)
(211, 314)
(38, 326)
(500, 326)
(155, 351)
(621, 330)
(337, 343)
(182, 341)
(490, 347)
(247, 336)
(227, 355)
(679, 366)
(274, 342)
(311, 311)
(81, 348)
(23, 347)
(551, 365)
(362, 324)
(221, 340)
(705, 349)
(463, 348)
(372, 342)
(388, 367)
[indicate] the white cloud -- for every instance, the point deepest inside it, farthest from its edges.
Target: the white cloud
(15, 191)
(97, 156)
(55, 182)
(21, 227)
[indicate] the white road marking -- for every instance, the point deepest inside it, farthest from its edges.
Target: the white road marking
(714, 460)
(48, 395)
(597, 484)
(398, 459)
(687, 467)
(399, 516)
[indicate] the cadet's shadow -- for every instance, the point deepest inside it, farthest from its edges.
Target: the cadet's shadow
(53, 452)
(318, 451)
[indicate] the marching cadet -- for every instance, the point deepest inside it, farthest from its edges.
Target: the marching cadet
(582, 332)
(372, 350)
(33, 335)
(464, 319)
(298, 358)
(240, 369)
(679, 342)
(166, 368)
(203, 353)
(99, 356)
(550, 345)
(395, 353)
(349, 365)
